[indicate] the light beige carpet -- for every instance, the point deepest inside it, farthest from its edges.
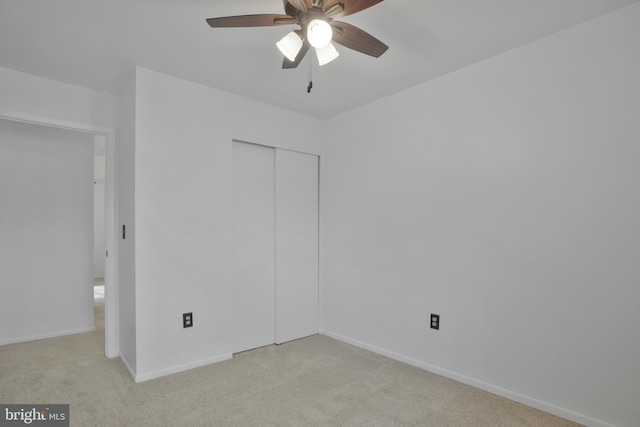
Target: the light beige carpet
(316, 381)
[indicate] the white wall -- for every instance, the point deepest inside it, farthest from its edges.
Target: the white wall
(503, 197)
(183, 140)
(126, 216)
(25, 93)
(46, 231)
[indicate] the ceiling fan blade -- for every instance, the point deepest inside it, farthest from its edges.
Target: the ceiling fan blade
(354, 38)
(249, 21)
(286, 64)
(301, 5)
(350, 6)
(289, 9)
(297, 5)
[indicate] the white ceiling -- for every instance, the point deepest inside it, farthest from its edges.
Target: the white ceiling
(95, 43)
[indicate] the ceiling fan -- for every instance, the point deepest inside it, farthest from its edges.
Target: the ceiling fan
(317, 29)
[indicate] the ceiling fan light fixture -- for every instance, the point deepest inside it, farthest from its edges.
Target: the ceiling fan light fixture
(319, 33)
(290, 45)
(326, 54)
(317, 29)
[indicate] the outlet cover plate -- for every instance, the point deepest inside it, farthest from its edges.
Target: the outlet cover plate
(435, 321)
(187, 320)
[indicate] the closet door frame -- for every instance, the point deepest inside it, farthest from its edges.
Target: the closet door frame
(252, 139)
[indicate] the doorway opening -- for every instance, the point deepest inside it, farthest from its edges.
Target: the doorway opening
(109, 251)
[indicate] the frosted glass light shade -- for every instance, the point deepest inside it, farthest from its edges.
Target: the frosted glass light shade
(290, 45)
(326, 54)
(319, 33)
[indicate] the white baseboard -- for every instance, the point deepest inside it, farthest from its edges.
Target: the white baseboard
(517, 397)
(44, 336)
(128, 367)
(180, 368)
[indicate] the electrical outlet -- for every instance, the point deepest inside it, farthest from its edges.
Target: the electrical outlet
(187, 320)
(435, 321)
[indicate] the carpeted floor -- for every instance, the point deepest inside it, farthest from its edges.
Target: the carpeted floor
(316, 381)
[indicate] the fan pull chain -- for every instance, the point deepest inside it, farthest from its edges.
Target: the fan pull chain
(310, 86)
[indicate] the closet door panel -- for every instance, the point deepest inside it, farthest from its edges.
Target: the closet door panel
(253, 228)
(296, 242)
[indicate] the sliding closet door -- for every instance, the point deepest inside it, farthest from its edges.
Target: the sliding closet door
(253, 223)
(296, 189)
